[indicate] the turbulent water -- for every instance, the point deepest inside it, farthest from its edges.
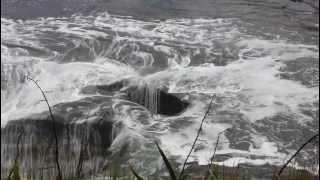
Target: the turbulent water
(266, 84)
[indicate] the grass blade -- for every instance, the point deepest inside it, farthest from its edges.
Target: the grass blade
(167, 163)
(135, 173)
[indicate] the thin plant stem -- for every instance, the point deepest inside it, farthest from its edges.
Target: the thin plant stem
(297, 152)
(53, 127)
(197, 136)
(214, 151)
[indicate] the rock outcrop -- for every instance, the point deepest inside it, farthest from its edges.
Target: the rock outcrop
(83, 127)
(156, 100)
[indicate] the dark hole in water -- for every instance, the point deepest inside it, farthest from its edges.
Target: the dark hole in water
(158, 101)
(170, 104)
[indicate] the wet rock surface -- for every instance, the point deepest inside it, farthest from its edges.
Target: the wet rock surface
(85, 126)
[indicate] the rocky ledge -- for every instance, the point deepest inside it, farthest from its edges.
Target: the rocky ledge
(85, 131)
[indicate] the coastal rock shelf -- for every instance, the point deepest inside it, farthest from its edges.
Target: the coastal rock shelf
(78, 130)
(85, 127)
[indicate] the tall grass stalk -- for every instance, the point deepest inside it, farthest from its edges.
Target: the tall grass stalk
(296, 153)
(197, 136)
(53, 127)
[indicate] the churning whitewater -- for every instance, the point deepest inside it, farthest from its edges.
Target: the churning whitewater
(265, 100)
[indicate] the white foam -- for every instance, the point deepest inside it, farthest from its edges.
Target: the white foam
(250, 84)
(265, 94)
(257, 80)
(62, 82)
